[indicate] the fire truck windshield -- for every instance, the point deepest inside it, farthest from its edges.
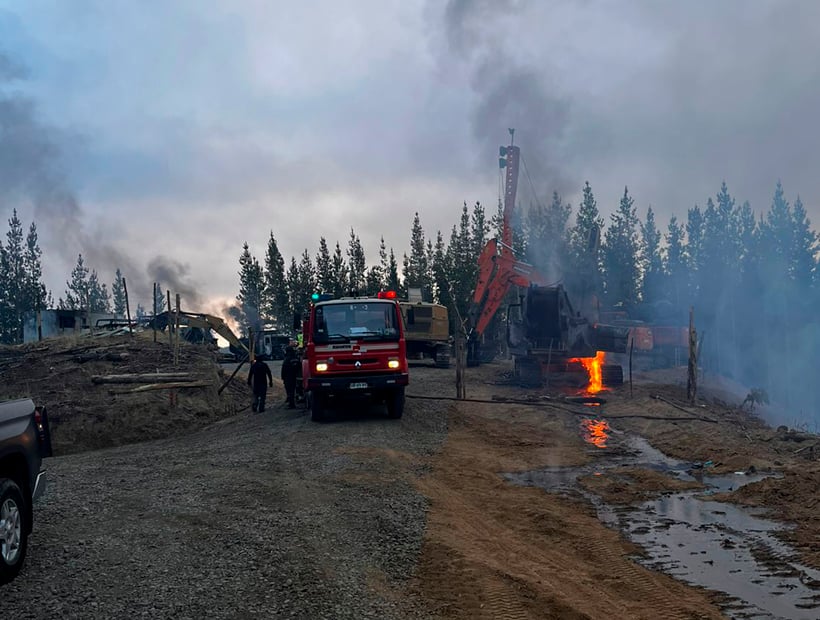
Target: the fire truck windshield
(359, 320)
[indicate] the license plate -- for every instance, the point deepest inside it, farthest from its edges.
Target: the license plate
(358, 386)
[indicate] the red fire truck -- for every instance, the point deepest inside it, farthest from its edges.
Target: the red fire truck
(354, 348)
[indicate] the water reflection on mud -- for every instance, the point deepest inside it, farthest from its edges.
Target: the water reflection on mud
(719, 546)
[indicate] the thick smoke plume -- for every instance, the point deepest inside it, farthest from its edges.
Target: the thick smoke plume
(31, 176)
(510, 92)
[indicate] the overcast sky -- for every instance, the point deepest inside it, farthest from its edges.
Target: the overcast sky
(158, 136)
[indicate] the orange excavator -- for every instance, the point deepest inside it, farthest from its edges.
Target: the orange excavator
(544, 332)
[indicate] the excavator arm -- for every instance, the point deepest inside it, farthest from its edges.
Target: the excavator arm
(498, 271)
(209, 321)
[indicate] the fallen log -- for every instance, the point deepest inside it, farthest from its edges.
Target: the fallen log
(162, 386)
(158, 377)
(101, 357)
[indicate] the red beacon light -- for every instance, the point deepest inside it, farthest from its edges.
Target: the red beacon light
(386, 295)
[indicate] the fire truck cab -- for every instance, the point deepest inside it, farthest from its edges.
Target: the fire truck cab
(354, 348)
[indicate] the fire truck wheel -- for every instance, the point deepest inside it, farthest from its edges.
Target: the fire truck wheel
(317, 407)
(395, 403)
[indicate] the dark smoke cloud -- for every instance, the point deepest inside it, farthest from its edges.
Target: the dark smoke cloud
(175, 276)
(31, 175)
(510, 93)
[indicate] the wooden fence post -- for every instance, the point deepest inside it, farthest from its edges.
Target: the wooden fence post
(127, 307)
(692, 375)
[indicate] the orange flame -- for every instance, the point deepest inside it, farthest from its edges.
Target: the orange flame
(596, 432)
(593, 367)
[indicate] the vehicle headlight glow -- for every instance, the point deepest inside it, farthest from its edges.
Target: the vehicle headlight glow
(321, 366)
(393, 363)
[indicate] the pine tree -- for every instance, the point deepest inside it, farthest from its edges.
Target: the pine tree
(547, 246)
(76, 293)
(651, 259)
(118, 293)
(251, 289)
(276, 301)
(13, 278)
(415, 268)
(324, 268)
(694, 247)
(384, 265)
(804, 251)
(307, 282)
(292, 278)
(357, 266)
(441, 285)
(36, 296)
(675, 264)
(622, 275)
(585, 279)
(392, 282)
(99, 301)
(340, 273)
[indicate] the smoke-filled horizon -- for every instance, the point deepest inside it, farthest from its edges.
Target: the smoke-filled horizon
(162, 159)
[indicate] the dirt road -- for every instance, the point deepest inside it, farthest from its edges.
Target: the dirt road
(436, 515)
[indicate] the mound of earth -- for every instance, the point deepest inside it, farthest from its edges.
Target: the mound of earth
(89, 409)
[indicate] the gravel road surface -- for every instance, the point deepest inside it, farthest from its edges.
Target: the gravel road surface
(259, 516)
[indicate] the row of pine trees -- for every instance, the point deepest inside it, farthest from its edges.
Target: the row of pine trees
(752, 277)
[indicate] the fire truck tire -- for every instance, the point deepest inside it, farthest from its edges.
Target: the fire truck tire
(395, 403)
(612, 375)
(317, 406)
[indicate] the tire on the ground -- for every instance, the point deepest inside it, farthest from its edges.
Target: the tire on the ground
(12, 498)
(612, 375)
(395, 403)
(442, 356)
(317, 406)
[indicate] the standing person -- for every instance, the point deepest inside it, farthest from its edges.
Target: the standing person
(290, 371)
(259, 378)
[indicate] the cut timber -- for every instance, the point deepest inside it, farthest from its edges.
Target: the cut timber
(163, 386)
(159, 377)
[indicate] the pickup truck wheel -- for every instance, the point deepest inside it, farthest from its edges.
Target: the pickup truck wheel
(13, 534)
(317, 407)
(395, 403)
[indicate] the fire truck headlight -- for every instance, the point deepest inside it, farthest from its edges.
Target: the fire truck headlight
(393, 363)
(321, 366)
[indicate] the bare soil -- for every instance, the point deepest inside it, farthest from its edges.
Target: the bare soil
(229, 514)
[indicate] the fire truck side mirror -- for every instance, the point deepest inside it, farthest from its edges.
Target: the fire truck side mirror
(297, 321)
(411, 316)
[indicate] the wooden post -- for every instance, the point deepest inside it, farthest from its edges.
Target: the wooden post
(631, 346)
(549, 364)
(692, 375)
(176, 349)
(154, 304)
(127, 307)
(461, 392)
(251, 345)
(170, 325)
(39, 324)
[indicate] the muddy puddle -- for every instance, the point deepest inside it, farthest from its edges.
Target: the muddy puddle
(719, 546)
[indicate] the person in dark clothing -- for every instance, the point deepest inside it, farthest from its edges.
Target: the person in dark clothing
(290, 371)
(259, 378)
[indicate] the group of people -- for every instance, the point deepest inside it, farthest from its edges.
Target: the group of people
(260, 379)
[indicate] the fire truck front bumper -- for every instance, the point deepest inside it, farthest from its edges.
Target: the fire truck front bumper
(358, 383)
